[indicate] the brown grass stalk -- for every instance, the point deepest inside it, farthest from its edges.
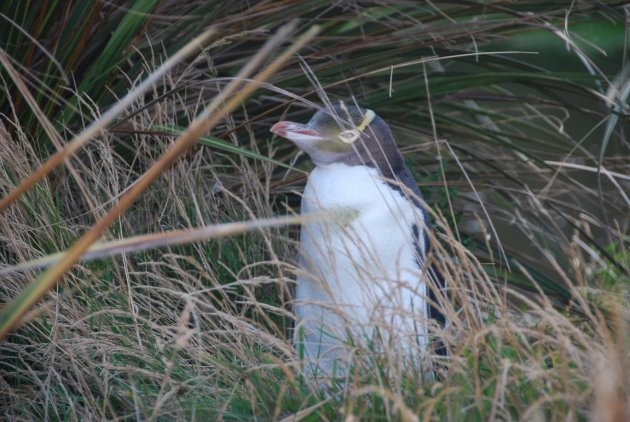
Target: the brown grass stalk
(93, 129)
(13, 312)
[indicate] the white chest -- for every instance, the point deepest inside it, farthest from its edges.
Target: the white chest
(372, 224)
(361, 269)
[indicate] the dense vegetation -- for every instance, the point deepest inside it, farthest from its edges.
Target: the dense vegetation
(513, 117)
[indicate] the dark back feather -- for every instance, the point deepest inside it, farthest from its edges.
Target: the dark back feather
(437, 279)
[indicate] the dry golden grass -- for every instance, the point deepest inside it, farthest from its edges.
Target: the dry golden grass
(202, 330)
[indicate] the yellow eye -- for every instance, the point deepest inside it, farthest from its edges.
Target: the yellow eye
(349, 136)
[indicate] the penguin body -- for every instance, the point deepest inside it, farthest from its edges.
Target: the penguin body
(361, 281)
(360, 275)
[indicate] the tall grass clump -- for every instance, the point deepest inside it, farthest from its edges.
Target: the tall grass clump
(513, 118)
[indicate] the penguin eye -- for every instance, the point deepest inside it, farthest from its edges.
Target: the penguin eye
(349, 136)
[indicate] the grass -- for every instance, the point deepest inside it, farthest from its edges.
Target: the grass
(521, 156)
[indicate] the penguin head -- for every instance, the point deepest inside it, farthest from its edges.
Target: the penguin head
(345, 134)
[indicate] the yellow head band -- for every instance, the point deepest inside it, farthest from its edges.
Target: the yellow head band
(367, 119)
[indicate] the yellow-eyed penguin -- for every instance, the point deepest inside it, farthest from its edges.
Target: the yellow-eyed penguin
(362, 280)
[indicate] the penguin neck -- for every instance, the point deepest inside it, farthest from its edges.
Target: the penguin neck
(393, 173)
(387, 167)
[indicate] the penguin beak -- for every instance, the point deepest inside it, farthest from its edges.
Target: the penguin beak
(296, 132)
